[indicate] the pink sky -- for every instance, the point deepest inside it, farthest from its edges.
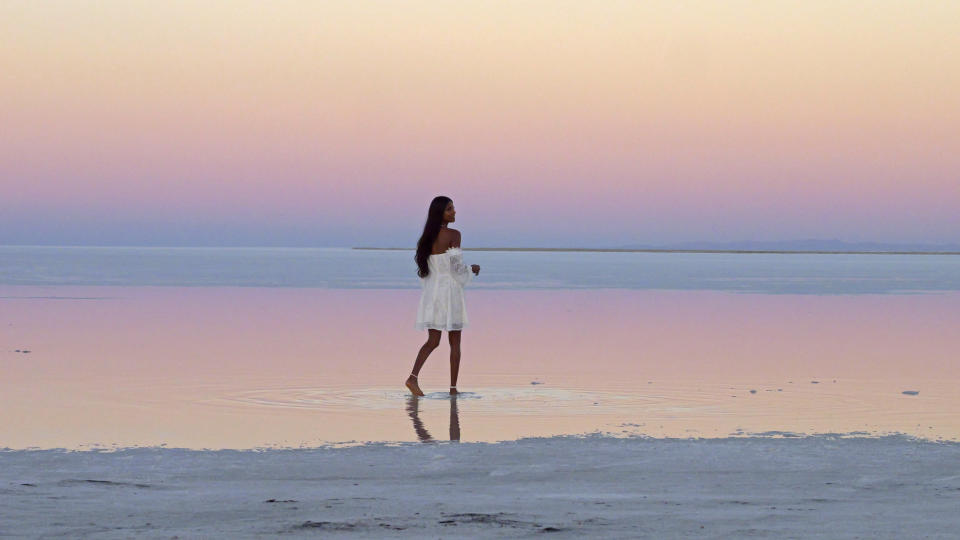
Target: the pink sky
(549, 123)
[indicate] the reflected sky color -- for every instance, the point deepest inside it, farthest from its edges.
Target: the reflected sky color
(333, 123)
(248, 367)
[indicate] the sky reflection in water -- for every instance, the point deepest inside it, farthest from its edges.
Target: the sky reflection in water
(223, 367)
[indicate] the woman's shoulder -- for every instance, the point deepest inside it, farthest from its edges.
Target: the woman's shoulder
(449, 239)
(454, 238)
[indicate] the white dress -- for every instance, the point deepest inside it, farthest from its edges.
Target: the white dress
(442, 306)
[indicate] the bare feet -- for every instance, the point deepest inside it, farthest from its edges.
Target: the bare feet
(413, 386)
(453, 392)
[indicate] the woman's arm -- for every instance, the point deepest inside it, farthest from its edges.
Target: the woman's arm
(460, 270)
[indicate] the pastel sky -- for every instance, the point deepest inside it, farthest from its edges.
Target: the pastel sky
(550, 123)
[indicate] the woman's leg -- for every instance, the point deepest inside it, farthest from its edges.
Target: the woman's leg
(454, 337)
(433, 341)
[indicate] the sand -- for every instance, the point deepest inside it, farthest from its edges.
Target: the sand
(758, 487)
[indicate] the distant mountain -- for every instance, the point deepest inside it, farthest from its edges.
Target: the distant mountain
(810, 244)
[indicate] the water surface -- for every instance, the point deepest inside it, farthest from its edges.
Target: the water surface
(243, 367)
(343, 268)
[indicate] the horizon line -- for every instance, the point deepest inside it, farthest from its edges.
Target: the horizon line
(516, 249)
(651, 250)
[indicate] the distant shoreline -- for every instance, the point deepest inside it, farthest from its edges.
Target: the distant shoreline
(735, 251)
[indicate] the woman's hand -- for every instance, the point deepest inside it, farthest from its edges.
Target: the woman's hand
(476, 269)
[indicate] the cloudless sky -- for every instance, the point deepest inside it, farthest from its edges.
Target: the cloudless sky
(550, 123)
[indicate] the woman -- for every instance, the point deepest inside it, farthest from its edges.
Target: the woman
(442, 277)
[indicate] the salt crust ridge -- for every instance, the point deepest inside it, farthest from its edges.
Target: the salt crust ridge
(822, 486)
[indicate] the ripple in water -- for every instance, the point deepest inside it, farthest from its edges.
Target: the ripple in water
(704, 407)
(521, 400)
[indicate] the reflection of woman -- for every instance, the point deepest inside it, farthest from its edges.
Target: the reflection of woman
(454, 420)
(442, 278)
(413, 409)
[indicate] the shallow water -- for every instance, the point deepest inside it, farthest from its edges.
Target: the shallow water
(344, 268)
(245, 367)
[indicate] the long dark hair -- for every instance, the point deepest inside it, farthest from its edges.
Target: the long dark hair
(431, 229)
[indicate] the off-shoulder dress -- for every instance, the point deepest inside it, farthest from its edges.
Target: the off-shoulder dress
(442, 305)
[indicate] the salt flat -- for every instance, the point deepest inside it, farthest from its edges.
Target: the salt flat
(759, 487)
(222, 397)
